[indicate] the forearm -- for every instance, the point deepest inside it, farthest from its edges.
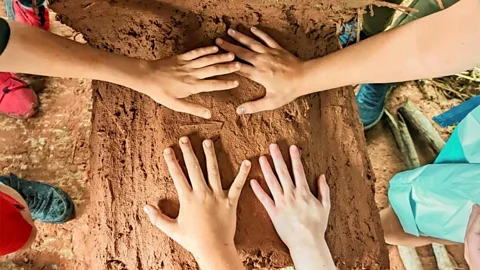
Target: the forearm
(314, 257)
(438, 45)
(225, 258)
(34, 51)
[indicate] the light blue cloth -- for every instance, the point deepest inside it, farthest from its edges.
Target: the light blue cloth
(436, 200)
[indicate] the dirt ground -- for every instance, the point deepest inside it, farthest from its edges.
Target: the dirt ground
(53, 147)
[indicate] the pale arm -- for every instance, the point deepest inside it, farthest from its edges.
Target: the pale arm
(438, 45)
(167, 81)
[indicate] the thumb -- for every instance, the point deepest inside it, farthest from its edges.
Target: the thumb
(324, 192)
(160, 220)
(264, 104)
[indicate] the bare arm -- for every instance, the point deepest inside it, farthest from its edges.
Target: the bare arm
(438, 45)
(167, 81)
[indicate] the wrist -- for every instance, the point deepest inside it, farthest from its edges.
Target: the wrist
(218, 258)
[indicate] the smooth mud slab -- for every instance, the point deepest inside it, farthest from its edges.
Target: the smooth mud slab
(130, 132)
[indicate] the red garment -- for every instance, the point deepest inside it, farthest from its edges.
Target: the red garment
(14, 229)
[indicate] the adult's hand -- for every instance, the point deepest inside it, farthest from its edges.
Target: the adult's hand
(207, 220)
(270, 65)
(298, 216)
(472, 239)
(169, 81)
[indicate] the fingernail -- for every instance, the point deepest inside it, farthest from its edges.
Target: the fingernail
(231, 32)
(208, 143)
(146, 208)
(215, 48)
(235, 83)
(322, 177)
(247, 163)
(219, 41)
(241, 110)
(184, 140)
(231, 56)
(207, 114)
(254, 29)
(167, 151)
(237, 65)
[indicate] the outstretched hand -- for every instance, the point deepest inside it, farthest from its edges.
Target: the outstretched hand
(169, 81)
(270, 65)
(298, 216)
(207, 220)
(472, 239)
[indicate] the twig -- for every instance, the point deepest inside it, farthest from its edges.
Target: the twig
(360, 12)
(420, 123)
(467, 77)
(404, 140)
(74, 150)
(440, 4)
(444, 87)
(381, 3)
(339, 26)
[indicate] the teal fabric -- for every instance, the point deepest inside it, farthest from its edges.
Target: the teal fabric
(436, 200)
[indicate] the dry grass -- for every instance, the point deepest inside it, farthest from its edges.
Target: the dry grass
(464, 85)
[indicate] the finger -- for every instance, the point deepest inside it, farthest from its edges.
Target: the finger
(240, 52)
(160, 220)
(270, 178)
(474, 221)
(179, 179)
(183, 106)
(260, 105)
(211, 60)
(282, 169)
(263, 197)
(298, 171)
(239, 182)
(212, 167)
(193, 167)
(200, 52)
(217, 70)
(324, 192)
(251, 43)
(248, 71)
(214, 85)
(265, 38)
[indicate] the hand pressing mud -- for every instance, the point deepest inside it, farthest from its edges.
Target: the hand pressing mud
(271, 66)
(299, 218)
(169, 81)
(472, 239)
(207, 220)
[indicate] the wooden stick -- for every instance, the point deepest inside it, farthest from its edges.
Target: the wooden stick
(442, 257)
(430, 134)
(404, 141)
(416, 120)
(380, 3)
(409, 256)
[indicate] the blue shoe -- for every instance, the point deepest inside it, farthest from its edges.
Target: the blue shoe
(47, 203)
(371, 102)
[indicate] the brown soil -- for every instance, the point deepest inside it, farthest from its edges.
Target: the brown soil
(130, 131)
(52, 147)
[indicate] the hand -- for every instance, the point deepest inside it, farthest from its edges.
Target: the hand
(299, 218)
(271, 66)
(206, 223)
(170, 80)
(472, 239)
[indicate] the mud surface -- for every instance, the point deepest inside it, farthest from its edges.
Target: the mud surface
(130, 131)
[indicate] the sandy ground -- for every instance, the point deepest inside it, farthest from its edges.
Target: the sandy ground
(53, 147)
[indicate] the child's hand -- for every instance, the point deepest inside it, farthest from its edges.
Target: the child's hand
(207, 220)
(472, 239)
(299, 218)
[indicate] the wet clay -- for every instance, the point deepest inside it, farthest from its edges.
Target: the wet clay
(130, 132)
